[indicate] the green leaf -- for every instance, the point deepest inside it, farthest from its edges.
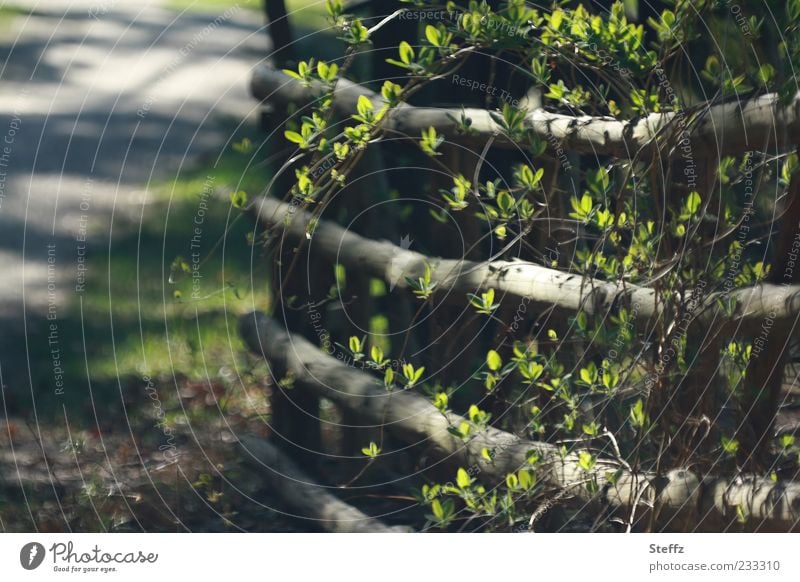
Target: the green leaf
(692, 203)
(586, 204)
(532, 371)
(590, 429)
(729, 445)
(526, 479)
(355, 345)
(493, 360)
(512, 482)
(436, 508)
(406, 52)
(556, 18)
(463, 479)
(372, 451)
(239, 199)
(637, 414)
(391, 92)
(433, 35)
(505, 202)
(766, 73)
(294, 137)
(586, 460)
(364, 105)
(741, 514)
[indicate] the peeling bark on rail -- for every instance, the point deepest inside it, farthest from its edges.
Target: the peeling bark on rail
(540, 287)
(295, 488)
(728, 128)
(683, 501)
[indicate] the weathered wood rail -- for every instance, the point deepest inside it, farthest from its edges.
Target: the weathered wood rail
(544, 288)
(753, 124)
(312, 501)
(681, 499)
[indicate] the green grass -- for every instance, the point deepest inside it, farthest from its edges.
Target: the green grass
(8, 14)
(138, 323)
(309, 14)
(312, 31)
(213, 5)
(165, 320)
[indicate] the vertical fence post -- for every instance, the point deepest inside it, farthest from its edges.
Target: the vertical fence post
(294, 413)
(765, 371)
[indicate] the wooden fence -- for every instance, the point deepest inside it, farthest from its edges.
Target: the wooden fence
(675, 498)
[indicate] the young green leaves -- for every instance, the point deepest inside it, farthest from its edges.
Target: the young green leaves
(483, 303)
(412, 375)
(371, 451)
(457, 197)
(430, 141)
(422, 287)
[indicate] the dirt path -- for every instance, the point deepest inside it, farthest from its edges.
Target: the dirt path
(99, 99)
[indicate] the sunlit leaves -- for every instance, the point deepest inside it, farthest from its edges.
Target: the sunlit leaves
(412, 374)
(493, 360)
(378, 357)
(327, 72)
(371, 451)
(586, 460)
(239, 199)
(479, 418)
(531, 371)
(304, 73)
(422, 286)
(442, 512)
(729, 445)
(638, 416)
(440, 401)
(456, 198)
(527, 178)
(483, 303)
(581, 208)
(391, 93)
(355, 33)
(357, 347)
(430, 141)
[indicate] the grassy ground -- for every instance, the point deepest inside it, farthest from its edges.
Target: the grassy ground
(150, 364)
(7, 16)
(139, 317)
(152, 359)
(302, 13)
(308, 18)
(213, 5)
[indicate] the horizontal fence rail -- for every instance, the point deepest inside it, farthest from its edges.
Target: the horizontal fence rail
(305, 496)
(732, 127)
(544, 288)
(681, 499)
